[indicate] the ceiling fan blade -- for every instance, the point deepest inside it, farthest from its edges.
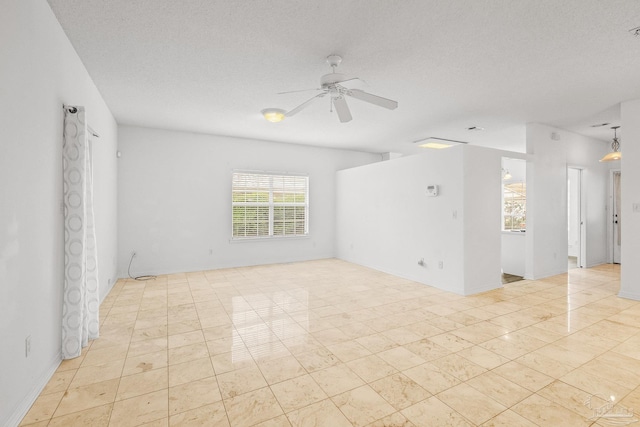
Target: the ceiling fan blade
(351, 79)
(342, 109)
(373, 99)
(304, 105)
(296, 91)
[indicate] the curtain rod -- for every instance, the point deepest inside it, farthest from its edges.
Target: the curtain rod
(73, 110)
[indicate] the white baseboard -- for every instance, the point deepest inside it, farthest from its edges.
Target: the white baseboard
(595, 263)
(415, 278)
(209, 267)
(27, 401)
(485, 288)
(629, 295)
(546, 274)
(106, 290)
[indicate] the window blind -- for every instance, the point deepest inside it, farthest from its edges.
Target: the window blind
(266, 205)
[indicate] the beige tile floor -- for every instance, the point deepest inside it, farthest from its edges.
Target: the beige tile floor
(328, 343)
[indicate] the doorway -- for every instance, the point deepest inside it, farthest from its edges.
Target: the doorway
(616, 216)
(575, 221)
(514, 219)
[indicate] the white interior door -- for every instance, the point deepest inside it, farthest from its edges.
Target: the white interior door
(574, 216)
(616, 219)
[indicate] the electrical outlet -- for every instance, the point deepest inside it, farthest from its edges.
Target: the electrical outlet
(440, 265)
(27, 346)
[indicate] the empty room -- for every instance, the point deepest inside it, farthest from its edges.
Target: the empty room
(323, 213)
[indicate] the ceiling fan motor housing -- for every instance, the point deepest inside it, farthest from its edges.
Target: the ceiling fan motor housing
(331, 79)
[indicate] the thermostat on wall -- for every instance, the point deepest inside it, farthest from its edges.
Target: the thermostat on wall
(432, 190)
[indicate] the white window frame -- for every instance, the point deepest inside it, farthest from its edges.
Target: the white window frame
(512, 215)
(271, 177)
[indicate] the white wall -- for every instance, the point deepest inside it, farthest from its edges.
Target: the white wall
(630, 251)
(482, 219)
(174, 192)
(547, 247)
(386, 221)
(40, 71)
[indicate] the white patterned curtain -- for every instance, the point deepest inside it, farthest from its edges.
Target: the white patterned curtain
(81, 300)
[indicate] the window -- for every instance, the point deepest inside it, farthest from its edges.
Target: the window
(265, 205)
(514, 206)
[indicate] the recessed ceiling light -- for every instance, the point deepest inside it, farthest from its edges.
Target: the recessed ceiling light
(437, 143)
(274, 115)
(599, 125)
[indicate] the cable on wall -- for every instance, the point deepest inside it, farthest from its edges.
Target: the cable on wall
(141, 278)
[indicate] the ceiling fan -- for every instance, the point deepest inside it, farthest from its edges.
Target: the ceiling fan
(331, 84)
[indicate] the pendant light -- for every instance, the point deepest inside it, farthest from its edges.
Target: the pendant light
(615, 153)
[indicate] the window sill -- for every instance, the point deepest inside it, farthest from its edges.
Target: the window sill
(266, 239)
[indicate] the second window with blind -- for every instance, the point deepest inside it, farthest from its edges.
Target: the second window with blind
(268, 205)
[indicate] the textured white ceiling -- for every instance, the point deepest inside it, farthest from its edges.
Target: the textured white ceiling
(211, 65)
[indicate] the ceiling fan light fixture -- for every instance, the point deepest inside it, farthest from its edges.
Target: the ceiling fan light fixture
(274, 115)
(615, 153)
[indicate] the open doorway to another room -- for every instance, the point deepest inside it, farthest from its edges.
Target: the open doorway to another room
(575, 220)
(514, 218)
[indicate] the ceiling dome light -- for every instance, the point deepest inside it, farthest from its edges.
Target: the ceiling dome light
(274, 115)
(438, 143)
(615, 153)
